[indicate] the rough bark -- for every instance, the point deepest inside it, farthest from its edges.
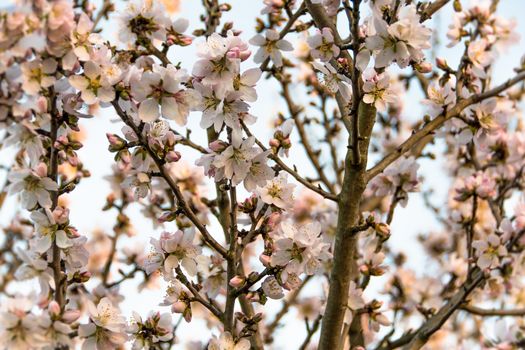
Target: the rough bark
(344, 267)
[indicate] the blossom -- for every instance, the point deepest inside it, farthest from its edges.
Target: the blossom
(106, 329)
(25, 137)
(300, 249)
(48, 227)
(480, 184)
(143, 20)
(172, 250)
(322, 45)
(18, 326)
(245, 84)
(355, 302)
(221, 107)
(33, 186)
(155, 329)
(220, 60)
(277, 192)
(489, 251)
(401, 176)
(333, 81)
(270, 46)
(486, 115)
(162, 87)
(480, 56)
(93, 84)
(140, 182)
(377, 90)
(271, 288)
(38, 74)
(226, 342)
(236, 159)
(440, 97)
(259, 172)
(402, 41)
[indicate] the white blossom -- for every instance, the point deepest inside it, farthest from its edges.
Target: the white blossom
(270, 46)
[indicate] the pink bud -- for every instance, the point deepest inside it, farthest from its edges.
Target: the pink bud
(167, 216)
(54, 308)
(116, 143)
(245, 55)
(85, 276)
(234, 53)
(70, 316)
(274, 143)
(424, 67)
(237, 281)
(265, 260)
(383, 229)
(173, 156)
(218, 146)
(41, 170)
(442, 63)
(60, 214)
(253, 297)
(42, 104)
(186, 40)
(178, 307)
(73, 232)
(274, 219)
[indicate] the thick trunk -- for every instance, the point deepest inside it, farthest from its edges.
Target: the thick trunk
(344, 267)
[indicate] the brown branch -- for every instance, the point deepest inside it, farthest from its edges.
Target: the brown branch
(310, 332)
(56, 265)
(292, 172)
(313, 156)
(207, 237)
(196, 295)
(437, 122)
(492, 312)
(432, 8)
(345, 267)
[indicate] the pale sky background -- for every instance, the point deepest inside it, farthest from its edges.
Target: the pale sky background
(89, 197)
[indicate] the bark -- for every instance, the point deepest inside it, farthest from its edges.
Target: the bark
(345, 267)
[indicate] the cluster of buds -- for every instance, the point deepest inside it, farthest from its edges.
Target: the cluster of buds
(281, 143)
(478, 184)
(250, 323)
(67, 148)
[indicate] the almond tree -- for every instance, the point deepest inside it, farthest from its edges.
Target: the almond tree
(237, 221)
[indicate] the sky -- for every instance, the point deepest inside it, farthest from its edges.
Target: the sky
(89, 197)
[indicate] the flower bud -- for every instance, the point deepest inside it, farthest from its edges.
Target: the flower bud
(116, 143)
(53, 308)
(218, 146)
(70, 316)
(424, 67)
(85, 276)
(265, 260)
(167, 216)
(274, 143)
(41, 170)
(178, 307)
(441, 63)
(237, 281)
(173, 156)
(383, 230)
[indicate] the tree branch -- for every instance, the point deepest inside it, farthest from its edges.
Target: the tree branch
(436, 123)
